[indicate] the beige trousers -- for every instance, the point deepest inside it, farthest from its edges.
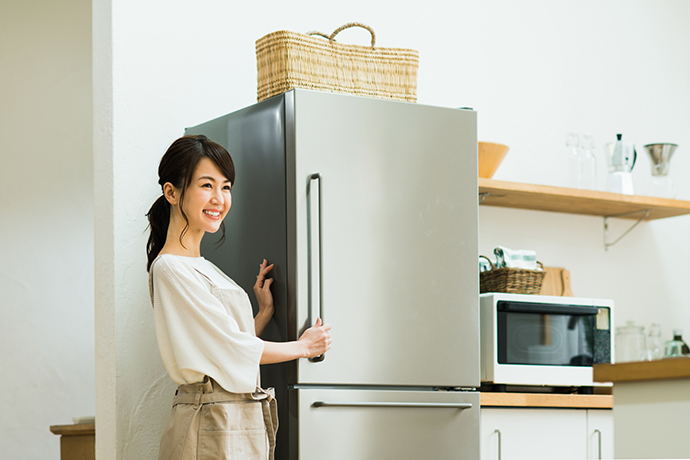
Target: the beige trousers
(209, 423)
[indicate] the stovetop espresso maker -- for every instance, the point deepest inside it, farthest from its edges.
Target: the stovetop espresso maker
(620, 157)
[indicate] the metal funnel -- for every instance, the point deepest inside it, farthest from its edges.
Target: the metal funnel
(660, 155)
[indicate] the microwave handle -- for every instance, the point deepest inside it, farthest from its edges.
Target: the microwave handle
(550, 309)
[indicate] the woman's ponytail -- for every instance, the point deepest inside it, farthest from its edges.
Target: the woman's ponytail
(159, 219)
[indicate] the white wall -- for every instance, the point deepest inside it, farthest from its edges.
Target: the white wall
(46, 223)
(534, 70)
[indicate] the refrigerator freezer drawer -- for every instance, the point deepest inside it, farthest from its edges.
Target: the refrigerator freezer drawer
(386, 424)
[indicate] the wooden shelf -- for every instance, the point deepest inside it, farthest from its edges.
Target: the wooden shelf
(546, 400)
(663, 369)
(576, 201)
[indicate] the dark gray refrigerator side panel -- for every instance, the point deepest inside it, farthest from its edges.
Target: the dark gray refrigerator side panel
(256, 225)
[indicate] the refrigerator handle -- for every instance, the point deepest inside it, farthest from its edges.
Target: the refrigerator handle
(315, 301)
(392, 404)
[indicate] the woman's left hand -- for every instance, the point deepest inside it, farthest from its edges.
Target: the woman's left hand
(262, 290)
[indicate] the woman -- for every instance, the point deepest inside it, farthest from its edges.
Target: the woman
(206, 333)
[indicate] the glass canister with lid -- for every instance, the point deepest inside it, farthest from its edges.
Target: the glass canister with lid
(630, 343)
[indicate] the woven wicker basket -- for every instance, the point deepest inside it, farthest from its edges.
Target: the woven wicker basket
(287, 60)
(511, 280)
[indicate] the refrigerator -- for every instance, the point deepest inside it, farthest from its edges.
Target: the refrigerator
(368, 209)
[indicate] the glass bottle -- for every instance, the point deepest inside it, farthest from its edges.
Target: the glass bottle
(588, 163)
(676, 347)
(655, 346)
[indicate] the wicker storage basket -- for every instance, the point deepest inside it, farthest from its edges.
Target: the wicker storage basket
(511, 280)
(287, 60)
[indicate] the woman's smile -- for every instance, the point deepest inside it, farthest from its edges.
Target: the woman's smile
(212, 214)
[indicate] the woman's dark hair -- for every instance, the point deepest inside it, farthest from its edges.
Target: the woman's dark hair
(177, 167)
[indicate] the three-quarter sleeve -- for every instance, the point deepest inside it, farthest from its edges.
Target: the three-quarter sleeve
(196, 334)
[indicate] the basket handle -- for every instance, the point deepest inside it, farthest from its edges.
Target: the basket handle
(489, 260)
(320, 34)
(343, 27)
(354, 24)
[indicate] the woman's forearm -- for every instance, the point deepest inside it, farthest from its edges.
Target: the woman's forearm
(280, 352)
(260, 322)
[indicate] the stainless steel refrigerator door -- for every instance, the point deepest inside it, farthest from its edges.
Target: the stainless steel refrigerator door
(376, 425)
(384, 214)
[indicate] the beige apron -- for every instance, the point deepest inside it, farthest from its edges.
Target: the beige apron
(209, 423)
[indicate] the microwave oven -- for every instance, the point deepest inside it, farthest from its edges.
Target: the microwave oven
(543, 340)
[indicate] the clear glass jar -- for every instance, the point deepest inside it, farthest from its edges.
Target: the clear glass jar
(630, 343)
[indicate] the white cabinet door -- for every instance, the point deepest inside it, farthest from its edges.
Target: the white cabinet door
(534, 434)
(599, 434)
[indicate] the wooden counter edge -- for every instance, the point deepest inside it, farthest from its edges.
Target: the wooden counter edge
(546, 400)
(663, 369)
(72, 430)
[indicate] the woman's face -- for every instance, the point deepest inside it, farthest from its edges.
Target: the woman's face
(207, 199)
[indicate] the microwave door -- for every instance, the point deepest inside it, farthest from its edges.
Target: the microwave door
(542, 334)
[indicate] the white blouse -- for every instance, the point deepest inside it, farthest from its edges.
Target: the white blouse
(204, 324)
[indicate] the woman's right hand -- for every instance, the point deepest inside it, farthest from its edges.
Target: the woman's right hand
(316, 340)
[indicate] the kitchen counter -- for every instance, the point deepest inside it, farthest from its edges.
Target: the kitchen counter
(546, 400)
(652, 400)
(663, 369)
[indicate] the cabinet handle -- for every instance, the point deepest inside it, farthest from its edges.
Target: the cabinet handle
(315, 311)
(599, 446)
(498, 432)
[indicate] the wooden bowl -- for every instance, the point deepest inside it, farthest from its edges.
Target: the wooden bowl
(490, 157)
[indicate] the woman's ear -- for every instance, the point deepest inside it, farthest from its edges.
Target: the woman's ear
(171, 193)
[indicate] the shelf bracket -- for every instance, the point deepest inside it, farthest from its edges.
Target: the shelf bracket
(625, 214)
(482, 196)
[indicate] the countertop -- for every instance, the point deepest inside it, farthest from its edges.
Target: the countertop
(546, 400)
(663, 369)
(652, 407)
(72, 430)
